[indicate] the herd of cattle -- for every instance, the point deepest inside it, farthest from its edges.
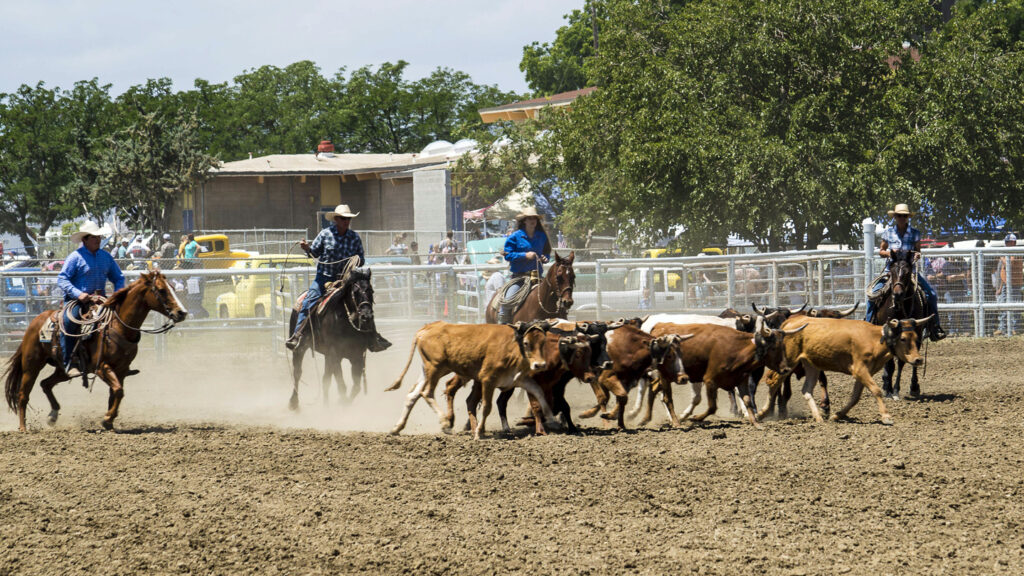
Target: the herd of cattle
(731, 352)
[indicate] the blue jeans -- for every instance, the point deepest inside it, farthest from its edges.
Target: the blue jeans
(512, 291)
(67, 343)
(313, 296)
(1008, 319)
(933, 298)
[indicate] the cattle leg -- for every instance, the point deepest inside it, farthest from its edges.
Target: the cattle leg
(533, 389)
(887, 372)
(695, 388)
(858, 388)
(712, 389)
(450, 389)
(826, 403)
(666, 397)
(915, 389)
(865, 378)
(560, 406)
(774, 382)
(733, 408)
(615, 387)
(487, 392)
(810, 380)
(472, 403)
(602, 399)
(641, 389)
(655, 385)
(503, 398)
(410, 401)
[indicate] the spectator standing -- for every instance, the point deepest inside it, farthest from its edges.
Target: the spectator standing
(449, 247)
(168, 250)
(414, 253)
(398, 247)
(190, 251)
(122, 250)
(1011, 275)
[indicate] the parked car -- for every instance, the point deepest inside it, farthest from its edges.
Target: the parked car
(216, 250)
(23, 297)
(250, 295)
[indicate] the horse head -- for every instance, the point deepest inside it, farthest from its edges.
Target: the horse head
(901, 273)
(561, 280)
(357, 299)
(160, 296)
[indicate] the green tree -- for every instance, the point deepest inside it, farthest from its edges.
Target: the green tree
(36, 161)
(143, 167)
(558, 66)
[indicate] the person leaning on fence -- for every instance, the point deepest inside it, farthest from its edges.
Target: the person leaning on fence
(526, 250)
(83, 280)
(902, 236)
(333, 248)
(1010, 276)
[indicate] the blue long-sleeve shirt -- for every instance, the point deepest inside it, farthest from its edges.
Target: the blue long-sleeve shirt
(518, 244)
(88, 272)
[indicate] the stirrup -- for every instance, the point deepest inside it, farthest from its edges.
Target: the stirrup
(379, 344)
(936, 333)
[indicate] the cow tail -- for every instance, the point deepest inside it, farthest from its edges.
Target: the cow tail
(13, 383)
(398, 382)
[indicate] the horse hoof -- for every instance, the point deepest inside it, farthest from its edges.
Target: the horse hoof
(52, 418)
(293, 404)
(888, 421)
(108, 424)
(834, 418)
(394, 431)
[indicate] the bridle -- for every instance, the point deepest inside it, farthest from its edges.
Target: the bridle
(166, 312)
(352, 311)
(560, 307)
(902, 268)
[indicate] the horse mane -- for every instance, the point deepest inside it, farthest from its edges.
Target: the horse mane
(117, 298)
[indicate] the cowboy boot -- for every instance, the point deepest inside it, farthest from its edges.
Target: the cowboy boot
(295, 339)
(503, 316)
(935, 331)
(379, 344)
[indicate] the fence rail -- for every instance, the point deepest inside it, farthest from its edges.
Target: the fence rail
(259, 300)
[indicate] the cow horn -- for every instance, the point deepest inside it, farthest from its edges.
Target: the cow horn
(754, 306)
(760, 327)
(921, 321)
(845, 313)
(798, 310)
(791, 332)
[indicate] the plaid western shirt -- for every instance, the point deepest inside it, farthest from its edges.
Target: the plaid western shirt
(329, 247)
(85, 271)
(907, 241)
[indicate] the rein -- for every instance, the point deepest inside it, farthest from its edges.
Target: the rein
(559, 309)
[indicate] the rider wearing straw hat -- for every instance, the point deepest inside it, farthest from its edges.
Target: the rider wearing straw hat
(902, 236)
(83, 279)
(526, 250)
(333, 248)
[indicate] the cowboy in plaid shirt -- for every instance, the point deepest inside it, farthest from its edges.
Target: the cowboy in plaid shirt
(333, 248)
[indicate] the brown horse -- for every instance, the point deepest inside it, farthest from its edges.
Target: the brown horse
(111, 348)
(550, 298)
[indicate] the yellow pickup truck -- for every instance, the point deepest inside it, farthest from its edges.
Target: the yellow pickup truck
(250, 295)
(216, 250)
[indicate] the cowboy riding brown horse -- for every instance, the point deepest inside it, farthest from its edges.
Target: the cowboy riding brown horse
(549, 298)
(110, 350)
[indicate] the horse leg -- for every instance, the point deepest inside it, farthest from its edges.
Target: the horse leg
(915, 387)
(116, 395)
(47, 385)
(887, 372)
(896, 383)
(297, 354)
(357, 369)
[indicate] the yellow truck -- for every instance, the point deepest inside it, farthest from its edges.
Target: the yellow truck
(216, 251)
(250, 295)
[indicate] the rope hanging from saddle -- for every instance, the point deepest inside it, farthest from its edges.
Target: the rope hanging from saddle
(878, 296)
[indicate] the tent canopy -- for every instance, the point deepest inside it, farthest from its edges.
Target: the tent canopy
(513, 203)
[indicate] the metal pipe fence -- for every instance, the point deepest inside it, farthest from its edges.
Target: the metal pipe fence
(975, 298)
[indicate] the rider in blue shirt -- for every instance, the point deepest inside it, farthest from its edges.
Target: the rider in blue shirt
(902, 236)
(83, 279)
(526, 250)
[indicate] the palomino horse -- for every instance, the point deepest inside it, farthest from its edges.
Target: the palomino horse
(903, 300)
(111, 348)
(550, 298)
(342, 327)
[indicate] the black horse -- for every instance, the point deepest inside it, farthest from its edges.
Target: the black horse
(341, 327)
(902, 299)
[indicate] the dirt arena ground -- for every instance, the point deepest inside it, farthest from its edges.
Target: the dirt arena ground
(209, 473)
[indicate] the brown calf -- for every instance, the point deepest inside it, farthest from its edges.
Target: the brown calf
(499, 356)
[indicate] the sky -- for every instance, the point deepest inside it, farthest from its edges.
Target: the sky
(124, 43)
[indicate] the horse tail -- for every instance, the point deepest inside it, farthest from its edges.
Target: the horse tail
(13, 383)
(408, 362)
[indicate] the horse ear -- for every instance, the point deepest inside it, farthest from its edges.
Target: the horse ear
(572, 256)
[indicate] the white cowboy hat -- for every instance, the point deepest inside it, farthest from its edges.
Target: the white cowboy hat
(528, 212)
(342, 210)
(901, 209)
(90, 228)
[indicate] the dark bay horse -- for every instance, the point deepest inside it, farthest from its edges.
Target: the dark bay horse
(342, 327)
(111, 348)
(550, 298)
(903, 301)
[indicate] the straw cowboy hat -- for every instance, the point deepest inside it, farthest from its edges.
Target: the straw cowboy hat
(342, 210)
(527, 213)
(901, 209)
(90, 228)
(486, 274)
